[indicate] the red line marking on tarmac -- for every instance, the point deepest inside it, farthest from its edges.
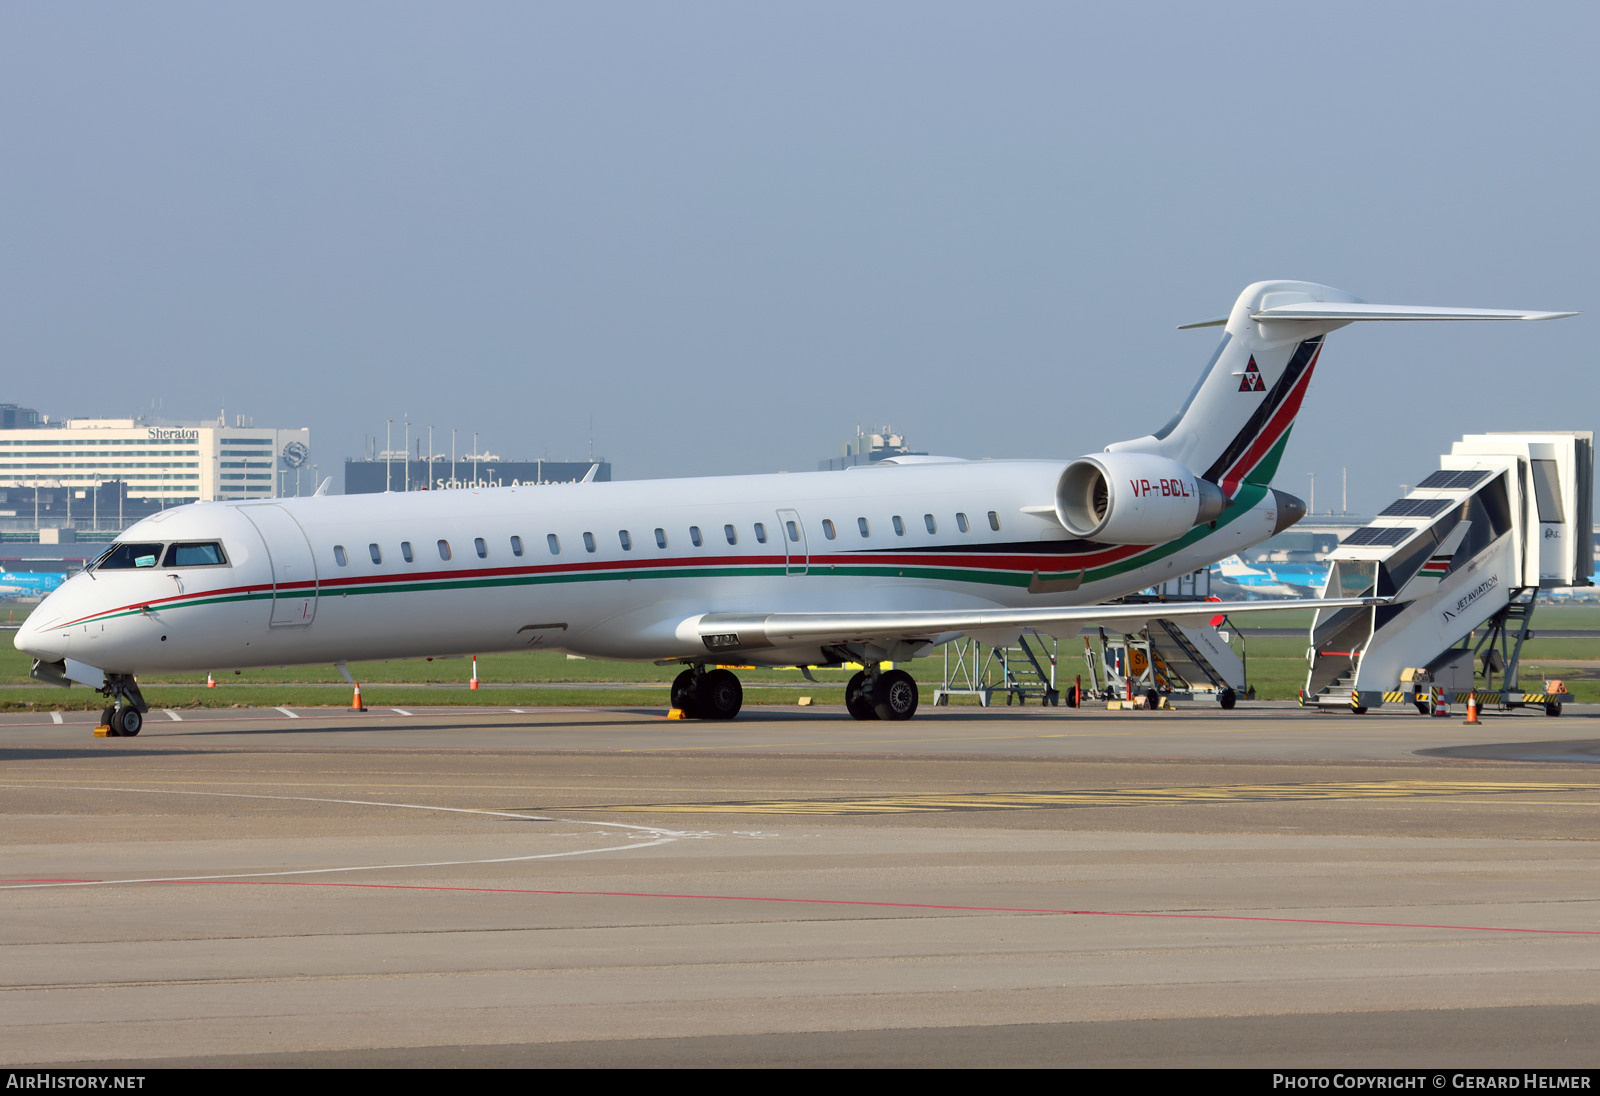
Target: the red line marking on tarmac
(905, 906)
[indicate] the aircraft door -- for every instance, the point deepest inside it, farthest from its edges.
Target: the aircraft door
(294, 567)
(796, 554)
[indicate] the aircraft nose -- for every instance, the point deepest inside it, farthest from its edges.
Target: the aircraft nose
(37, 639)
(1290, 510)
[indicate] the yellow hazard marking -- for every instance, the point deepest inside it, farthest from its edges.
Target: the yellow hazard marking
(1106, 797)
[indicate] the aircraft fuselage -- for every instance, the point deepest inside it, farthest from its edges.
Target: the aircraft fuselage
(602, 569)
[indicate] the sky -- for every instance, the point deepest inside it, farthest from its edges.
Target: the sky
(727, 234)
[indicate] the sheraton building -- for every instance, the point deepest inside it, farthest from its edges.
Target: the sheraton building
(164, 463)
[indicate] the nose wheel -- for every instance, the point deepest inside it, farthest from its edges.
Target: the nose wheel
(124, 717)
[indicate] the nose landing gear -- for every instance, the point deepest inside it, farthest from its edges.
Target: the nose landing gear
(124, 717)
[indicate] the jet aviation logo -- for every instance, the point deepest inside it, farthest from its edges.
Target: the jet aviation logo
(1250, 379)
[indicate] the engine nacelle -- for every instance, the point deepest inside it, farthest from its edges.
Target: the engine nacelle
(1133, 498)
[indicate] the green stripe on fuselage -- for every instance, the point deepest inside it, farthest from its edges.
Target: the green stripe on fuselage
(1248, 496)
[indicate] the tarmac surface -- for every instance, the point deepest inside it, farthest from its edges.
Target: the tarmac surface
(485, 886)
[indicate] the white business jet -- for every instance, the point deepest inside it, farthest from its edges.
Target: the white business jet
(867, 565)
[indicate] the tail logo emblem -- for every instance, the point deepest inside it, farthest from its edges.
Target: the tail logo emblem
(1250, 379)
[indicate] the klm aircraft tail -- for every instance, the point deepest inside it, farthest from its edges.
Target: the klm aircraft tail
(1233, 428)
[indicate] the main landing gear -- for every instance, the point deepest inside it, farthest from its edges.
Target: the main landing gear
(707, 694)
(881, 694)
(873, 693)
(125, 714)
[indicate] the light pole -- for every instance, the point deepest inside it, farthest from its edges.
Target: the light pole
(408, 454)
(388, 456)
(1311, 506)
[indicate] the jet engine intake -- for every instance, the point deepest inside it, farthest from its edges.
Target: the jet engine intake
(1133, 498)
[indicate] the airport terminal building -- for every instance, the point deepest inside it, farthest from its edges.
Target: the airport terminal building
(363, 477)
(158, 463)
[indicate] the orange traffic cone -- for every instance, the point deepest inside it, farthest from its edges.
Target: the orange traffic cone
(474, 683)
(355, 703)
(211, 682)
(1472, 707)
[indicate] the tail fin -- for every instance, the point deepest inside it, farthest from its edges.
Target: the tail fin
(1233, 428)
(1234, 566)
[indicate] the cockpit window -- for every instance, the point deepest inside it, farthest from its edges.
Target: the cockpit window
(128, 555)
(206, 553)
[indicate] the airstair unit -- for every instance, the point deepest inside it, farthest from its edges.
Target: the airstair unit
(1504, 516)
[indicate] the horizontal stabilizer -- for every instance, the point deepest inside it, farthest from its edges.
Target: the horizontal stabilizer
(1346, 312)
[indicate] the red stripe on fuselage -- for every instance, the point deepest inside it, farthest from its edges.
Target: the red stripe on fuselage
(1281, 420)
(1008, 564)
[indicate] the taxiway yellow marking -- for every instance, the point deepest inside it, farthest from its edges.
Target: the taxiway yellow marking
(1108, 797)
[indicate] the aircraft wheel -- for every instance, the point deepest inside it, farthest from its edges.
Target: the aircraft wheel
(107, 714)
(686, 693)
(1227, 698)
(896, 695)
(128, 722)
(1552, 708)
(721, 695)
(857, 701)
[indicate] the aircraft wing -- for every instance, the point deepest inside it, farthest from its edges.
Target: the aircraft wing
(745, 631)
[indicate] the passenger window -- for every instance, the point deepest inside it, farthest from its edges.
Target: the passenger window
(899, 526)
(205, 554)
(377, 553)
(555, 544)
(994, 521)
(516, 546)
(339, 556)
(626, 539)
(483, 548)
(866, 530)
(761, 533)
(588, 542)
(661, 538)
(827, 529)
(405, 551)
(794, 533)
(731, 533)
(933, 526)
(961, 522)
(694, 536)
(444, 550)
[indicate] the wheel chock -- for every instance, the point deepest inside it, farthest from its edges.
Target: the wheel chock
(104, 731)
(677, 713)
